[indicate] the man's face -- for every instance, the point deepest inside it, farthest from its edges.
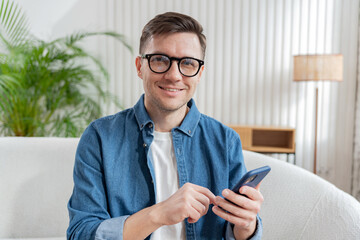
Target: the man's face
(169, 91)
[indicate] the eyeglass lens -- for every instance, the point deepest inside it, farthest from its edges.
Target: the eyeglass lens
(161, 63)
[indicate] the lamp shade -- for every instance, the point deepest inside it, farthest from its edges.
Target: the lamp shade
(318, 67)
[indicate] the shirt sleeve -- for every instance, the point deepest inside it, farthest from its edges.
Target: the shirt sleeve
(111, 229)
(229, 234)
(89, 218)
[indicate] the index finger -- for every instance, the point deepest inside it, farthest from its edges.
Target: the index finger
(206, 192)
(252, 193)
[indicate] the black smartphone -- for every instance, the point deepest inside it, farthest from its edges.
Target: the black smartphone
(252, 178)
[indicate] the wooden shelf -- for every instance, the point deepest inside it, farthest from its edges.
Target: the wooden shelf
(266, 139)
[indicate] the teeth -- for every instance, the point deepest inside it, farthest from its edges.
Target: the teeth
(171, 89)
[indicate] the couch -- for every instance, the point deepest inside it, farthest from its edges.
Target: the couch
(36, 183)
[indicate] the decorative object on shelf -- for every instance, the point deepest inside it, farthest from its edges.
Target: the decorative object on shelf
(266, 139)
(327, 67)
(48, 88)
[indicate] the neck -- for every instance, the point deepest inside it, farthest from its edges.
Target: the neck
(166, 120)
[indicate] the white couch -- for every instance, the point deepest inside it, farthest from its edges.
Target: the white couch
(36, 183)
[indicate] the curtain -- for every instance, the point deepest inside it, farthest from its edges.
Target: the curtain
(356, 164)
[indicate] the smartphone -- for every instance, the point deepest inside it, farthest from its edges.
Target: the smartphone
(252, 178)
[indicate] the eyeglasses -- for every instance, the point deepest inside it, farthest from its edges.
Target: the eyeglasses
(160, 63)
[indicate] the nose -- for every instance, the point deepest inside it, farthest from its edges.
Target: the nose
(173, 73)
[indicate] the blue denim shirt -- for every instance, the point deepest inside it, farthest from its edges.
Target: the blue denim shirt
(114, 177)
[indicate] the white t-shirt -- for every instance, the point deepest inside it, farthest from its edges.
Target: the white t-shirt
(167, 181)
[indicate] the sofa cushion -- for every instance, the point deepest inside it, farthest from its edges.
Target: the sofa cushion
(35, 185)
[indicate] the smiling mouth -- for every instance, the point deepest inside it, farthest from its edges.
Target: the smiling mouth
(171, 89)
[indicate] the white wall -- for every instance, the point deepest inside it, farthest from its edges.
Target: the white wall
(248, 77)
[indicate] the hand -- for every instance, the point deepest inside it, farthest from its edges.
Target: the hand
(190, 201)
(241, 211)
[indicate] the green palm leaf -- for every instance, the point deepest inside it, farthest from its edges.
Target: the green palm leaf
(13, 24)
(48, 88)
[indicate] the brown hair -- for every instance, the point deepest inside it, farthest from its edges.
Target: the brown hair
(172, 22)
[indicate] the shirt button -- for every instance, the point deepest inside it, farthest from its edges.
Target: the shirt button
(189, 131)
(144, 145)
(150, 125)
(142, 125)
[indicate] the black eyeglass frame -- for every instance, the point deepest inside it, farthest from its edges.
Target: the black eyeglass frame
(148, 56)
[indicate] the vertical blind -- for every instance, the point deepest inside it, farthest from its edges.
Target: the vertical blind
(248, 67)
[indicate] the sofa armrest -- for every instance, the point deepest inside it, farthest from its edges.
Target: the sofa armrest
(301, 205)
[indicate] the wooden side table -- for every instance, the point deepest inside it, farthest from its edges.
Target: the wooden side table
(265, 139)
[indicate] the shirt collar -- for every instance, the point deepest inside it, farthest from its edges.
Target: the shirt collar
(191, 120)
(188, 126)
(141, 114)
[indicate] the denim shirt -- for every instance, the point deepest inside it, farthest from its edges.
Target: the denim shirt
(114, 177)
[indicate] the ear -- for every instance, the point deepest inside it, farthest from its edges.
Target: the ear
(201, 72)
(138, 66)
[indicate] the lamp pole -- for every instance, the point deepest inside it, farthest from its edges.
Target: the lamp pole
(316, 123)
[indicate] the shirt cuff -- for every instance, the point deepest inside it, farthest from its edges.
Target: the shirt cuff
(229, 234)
(111, 229)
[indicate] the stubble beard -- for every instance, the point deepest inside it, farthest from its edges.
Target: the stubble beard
(169, 109)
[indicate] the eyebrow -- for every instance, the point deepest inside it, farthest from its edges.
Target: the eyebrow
(161, 53)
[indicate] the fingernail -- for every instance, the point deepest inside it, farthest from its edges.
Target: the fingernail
(226, 193)
(243, 190)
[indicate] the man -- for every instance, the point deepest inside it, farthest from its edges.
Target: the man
(155, 169)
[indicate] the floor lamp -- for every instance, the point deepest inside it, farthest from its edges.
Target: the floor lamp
(327, 67)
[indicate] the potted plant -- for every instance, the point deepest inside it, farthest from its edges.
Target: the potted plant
(45, 86)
